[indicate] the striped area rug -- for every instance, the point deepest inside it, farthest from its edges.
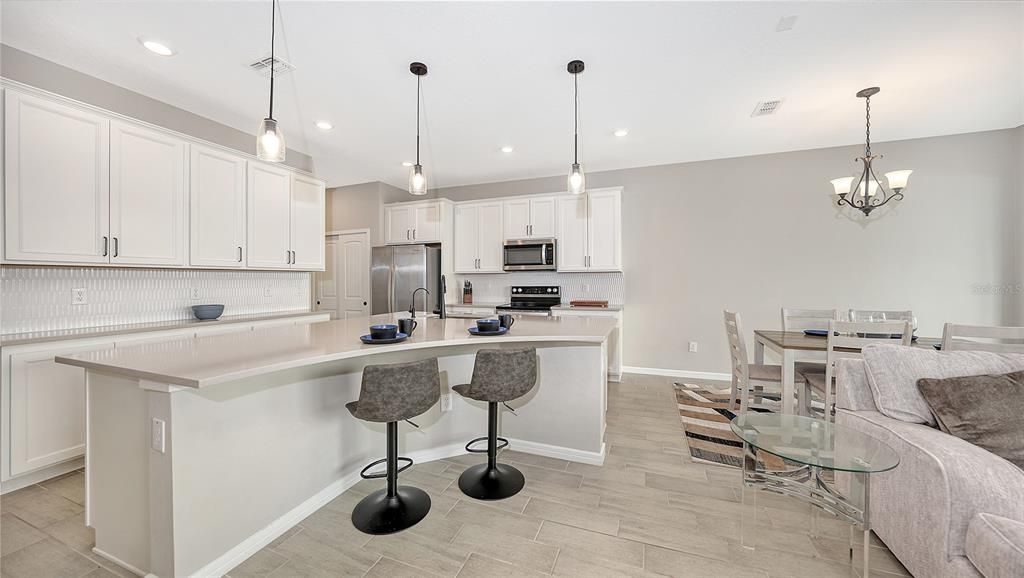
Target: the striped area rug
(706, 415)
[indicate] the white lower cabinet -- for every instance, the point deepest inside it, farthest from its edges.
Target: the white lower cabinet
(47, 407)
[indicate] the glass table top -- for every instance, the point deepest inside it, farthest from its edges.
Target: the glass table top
(815, 442)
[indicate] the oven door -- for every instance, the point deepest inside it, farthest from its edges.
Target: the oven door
(530, 255)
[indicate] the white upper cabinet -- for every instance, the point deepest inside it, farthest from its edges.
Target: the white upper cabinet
(307, 223)
(56, 181)
(147, 197)
(415, 222)
(530, 218)
(269, 223)
(217, 191)
(478, 238)
(590, 232)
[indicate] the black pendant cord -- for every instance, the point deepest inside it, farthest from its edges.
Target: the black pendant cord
(418, 79)
(273, 29)
(575, 119)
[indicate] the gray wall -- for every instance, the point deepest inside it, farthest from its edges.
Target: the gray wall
(34, 71)
(361, 207)
(758, 233)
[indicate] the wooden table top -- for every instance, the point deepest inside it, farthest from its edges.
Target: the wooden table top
(799, 340)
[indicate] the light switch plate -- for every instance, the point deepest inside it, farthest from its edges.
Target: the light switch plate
(693, 347)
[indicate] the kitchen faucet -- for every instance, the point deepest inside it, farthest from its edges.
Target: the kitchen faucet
(412, 303)
(440, 302)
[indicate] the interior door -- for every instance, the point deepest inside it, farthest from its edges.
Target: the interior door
(489, 238)
(327, 280)
(148, 225)
(217, 225)
(542, 218)
(604, 240)
(56, 181)
(307, 223)
(517, 219)
(465, 250)
(353, 252)
(572, 233)
(268, 203)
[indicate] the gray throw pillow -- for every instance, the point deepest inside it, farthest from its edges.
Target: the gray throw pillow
(984, 410)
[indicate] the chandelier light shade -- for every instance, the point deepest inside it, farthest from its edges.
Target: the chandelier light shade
(577, 182)
(417, 181)
(868, 193)
(270, 145)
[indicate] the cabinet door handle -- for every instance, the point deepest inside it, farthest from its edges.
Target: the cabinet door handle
(239, 253)
(408, 234)
(105, 242)
(294, 257)
(116, 247)
(287, 257)
(414, 234)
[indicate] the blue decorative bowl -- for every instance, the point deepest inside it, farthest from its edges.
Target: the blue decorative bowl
(384, 331)
(207, 312)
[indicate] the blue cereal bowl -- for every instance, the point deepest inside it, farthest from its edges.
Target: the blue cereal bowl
(207, 312)
(385, 331)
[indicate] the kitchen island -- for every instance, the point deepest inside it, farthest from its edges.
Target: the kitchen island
(200, 452)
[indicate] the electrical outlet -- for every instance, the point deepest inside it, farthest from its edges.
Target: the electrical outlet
(586, 288)
(266, 292)
(693, 347)
(195, 294)
(446, 402)
(156, 440)
(78, 296)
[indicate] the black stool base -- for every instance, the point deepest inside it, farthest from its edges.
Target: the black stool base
(486, 483)
(379, 514)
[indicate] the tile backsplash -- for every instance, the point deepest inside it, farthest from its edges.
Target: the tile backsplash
(40, 298)
(489, 288)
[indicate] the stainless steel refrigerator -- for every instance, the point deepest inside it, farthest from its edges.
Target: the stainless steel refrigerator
(398, 271)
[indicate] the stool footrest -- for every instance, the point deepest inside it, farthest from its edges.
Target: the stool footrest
(502, 443)
(366, 476)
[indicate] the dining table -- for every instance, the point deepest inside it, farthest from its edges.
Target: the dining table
(794, 346)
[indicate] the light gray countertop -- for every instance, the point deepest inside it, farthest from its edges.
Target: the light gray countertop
(87, 332)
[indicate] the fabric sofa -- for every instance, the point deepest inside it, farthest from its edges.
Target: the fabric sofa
(950, 508)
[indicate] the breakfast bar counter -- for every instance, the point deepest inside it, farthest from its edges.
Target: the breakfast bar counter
(199, 452)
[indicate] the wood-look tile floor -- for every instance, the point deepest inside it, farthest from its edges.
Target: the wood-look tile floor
(648, 511)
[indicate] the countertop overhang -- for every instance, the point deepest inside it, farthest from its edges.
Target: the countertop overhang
(206, 361)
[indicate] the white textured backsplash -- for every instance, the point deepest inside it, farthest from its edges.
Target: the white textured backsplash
(39, 298)
(495, 287)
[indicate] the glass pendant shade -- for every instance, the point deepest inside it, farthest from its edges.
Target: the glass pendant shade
(843, 185)
(872, 188)
(270, 144)
(417, 182)
(898, 179)
(577, 180)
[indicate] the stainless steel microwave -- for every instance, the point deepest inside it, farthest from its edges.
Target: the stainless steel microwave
(530, 255)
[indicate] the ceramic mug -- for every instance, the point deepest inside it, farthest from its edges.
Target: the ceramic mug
(506, 320)
(407, 325)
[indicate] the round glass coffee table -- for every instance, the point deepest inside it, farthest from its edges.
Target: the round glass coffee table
(812, 446)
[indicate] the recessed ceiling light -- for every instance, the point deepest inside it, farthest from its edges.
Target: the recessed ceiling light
(622, 132)
(507, 149)
(324, 125)
(406, 164)
(157, 47)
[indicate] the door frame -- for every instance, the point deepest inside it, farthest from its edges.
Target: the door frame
(368, 256)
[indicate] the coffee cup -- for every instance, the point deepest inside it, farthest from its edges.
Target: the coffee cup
(386, 331)
(506, 320)
(487, 324)
(407, 325)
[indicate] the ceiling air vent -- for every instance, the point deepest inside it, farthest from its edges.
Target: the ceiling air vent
(764, 108)
(262, 66)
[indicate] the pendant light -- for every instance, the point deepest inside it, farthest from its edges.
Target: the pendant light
(417, 181)
(869, 193)
(577, 180)
(270, 144)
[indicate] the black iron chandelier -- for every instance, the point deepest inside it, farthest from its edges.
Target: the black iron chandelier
(869, 193)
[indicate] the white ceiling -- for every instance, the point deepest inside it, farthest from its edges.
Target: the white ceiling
(682, 77)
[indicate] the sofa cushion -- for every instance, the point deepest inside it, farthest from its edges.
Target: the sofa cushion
(985, 410)
(893, 371)
(995, 545)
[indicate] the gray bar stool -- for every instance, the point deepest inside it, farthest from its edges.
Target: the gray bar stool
(390, 393)
(498, 376)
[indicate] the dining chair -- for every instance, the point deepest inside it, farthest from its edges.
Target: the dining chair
(993, 338)
(803, 319)
(845, 340)
(745, 374)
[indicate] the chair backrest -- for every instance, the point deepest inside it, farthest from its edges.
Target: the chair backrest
(871, 315)
(992, 338)
(398, 391)
(847, 338)
(504, 374)
(801, 319)
(737, 348)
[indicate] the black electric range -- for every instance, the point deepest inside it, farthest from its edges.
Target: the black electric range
(532, 300)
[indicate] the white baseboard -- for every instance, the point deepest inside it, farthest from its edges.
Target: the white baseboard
(120, 562)
(592, 458)
(25, 480)
(684, 373)
(235, 556)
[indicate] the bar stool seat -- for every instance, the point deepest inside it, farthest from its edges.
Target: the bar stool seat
(499, 376)
(390, 393)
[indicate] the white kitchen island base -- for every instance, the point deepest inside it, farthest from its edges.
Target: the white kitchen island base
(192, 480)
